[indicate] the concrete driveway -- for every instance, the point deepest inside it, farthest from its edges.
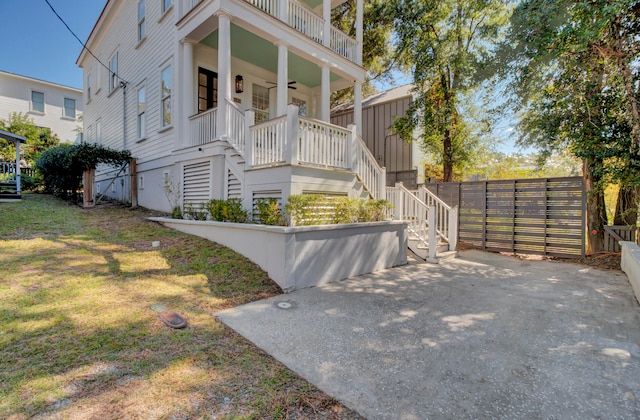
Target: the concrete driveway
(481, 336)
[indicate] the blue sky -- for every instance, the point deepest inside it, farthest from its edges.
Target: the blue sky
(34, 43)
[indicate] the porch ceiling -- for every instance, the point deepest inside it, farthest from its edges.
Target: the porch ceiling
(258, 51)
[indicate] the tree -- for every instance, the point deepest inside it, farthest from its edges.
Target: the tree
(377, 53)
(571, 86)
(39, 139)
(443, 43)
(62, 166)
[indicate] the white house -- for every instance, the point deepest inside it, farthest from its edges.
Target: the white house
(231, 98)
(49, 105)
(226, 98)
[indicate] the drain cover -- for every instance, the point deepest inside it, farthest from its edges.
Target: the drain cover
(158, 307)
(285, 304)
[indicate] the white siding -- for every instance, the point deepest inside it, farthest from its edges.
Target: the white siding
(15, 96)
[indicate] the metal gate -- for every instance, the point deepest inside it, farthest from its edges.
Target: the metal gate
(529, 216)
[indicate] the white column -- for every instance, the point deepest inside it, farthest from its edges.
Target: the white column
(18, 174)
(188, 88)
(357, 106)
(283, 79)
(326, 15)
(325, 94)
(224, 72)
(359, 30)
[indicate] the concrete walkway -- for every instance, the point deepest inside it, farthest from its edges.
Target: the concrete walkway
(481, 336)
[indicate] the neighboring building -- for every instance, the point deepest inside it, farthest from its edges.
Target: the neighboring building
(404, 161)
(226, 98)
(49, 105)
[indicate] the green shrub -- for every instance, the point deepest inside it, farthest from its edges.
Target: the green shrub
(306, 209)
(30, 183)
(229, 210)
(267, 212)
(377, 210)
(313, 209)
(192, 213)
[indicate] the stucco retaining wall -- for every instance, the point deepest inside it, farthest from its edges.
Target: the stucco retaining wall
(306, 256)
(630, 264)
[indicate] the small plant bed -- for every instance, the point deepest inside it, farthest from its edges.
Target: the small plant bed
(79, 338)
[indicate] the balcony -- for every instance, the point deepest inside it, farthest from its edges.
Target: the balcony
(301, 18)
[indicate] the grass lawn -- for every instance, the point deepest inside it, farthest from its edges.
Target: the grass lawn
(79, 340)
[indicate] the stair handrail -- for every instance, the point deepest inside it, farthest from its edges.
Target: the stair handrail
(446, 216)
(408, 207)
(366, 167)
(236, 124)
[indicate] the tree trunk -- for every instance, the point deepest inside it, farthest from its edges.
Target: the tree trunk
(447, 164)
(626, 206)
(596, 212)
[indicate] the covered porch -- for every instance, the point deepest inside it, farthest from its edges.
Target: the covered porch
(10, 171)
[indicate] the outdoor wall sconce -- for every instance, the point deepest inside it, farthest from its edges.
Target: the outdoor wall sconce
(239, 84)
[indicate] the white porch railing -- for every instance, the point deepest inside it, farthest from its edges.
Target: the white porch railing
(305, 21)
(236, 127)
(298, 16)
(366, 166)
(203, 127)
(322, 144)
(268, 142)
(343, 44)
(446, 216)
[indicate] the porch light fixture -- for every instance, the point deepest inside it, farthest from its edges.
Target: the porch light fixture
(239, 84)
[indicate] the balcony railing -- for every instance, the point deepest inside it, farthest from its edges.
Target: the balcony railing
(203, 127)
(301, 18)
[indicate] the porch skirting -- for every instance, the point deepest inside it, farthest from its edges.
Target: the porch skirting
(306, 256)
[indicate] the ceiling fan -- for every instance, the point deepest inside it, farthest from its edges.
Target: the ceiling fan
(289, 85)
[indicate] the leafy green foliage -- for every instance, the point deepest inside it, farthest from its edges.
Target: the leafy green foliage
(192, 213)
(305, 209)
(315, 209)
(267, 212)
(444, 43)
(39, 139)
(229, 210)
(62, 166)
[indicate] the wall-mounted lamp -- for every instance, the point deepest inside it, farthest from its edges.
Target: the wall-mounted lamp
(239, 84)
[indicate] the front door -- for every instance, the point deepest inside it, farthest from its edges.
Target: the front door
(207, 89)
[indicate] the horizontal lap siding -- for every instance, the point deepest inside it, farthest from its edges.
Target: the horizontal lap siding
(530, 216)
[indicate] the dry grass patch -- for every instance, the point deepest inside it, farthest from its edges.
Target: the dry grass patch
(78, 337)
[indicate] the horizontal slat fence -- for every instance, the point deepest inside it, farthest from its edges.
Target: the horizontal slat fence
(529, 216)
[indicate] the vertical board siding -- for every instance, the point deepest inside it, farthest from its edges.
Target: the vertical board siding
(528, 216)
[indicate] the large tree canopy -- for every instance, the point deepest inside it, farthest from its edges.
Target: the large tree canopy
(444, 43)
(39, 139)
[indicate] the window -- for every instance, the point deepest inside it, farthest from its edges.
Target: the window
(98, 138)
(207, 89)
(302, 105)
(70, 108)
(260, 102)
(37, 101)
(113, 73)
(166, 5)
(142, 109)
(165, 95)
(141, 20)
(88, 87)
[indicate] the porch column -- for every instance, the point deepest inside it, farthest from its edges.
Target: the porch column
(18, 171)
(224, 72)
(357, 106)
(326, 30)
(283, 79)
(359, 30)
(188, 88)
(325, 94)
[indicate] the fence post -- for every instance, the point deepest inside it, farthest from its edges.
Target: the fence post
(399, 201)
(383, 183)
(432, 235)
(291, 134)
(453, 228)
(249, 121)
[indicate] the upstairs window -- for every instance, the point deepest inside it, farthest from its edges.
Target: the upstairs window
(166, 5)
(88, 87)
(142, 110)
(70, 108)
(165, 95)
(141, 20)
(113, 72)
(37, 101)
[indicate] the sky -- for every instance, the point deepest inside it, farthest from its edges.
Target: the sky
(34, 43)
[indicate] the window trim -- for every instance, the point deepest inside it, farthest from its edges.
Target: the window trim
(113, 75)
(37, 111)
(64, 109)
(141, 117)
(88, 80)
(166, 99)
(164, 10)
(142, 21)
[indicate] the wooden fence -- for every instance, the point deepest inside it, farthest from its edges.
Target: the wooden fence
(614, 234)
(529, 216)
